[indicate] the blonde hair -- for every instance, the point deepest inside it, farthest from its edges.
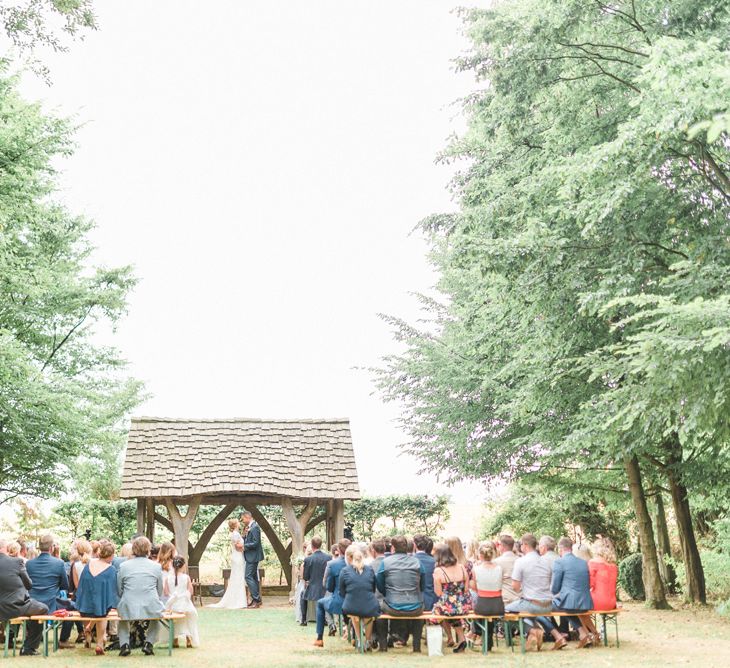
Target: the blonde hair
(13, 548)
(83, 550)
(457, 548)
(233, 524)
(472, 550)
(603, 547)
(486, 551)
(95, 548)
(353, 555)
(583, 551)
(126, 551)
(166, 555)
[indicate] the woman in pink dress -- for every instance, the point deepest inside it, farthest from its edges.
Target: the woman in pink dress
(604, 573)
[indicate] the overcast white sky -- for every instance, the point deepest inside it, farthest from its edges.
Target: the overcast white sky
(261, 164)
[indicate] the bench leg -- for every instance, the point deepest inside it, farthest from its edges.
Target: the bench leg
(508, 635)
(171, 636)
(7, 639)
(55, 635)
(523, 642)
(603, 629)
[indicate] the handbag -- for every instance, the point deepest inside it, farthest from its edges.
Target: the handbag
(435, 640)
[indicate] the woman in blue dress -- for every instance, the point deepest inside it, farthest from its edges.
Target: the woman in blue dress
(97, 592)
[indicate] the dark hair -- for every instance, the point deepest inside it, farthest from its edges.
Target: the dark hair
(178, 563)
(316, 542)
(343, 544)
(429, 547)
(421, 542)
(386, 541)
(154, 551)
(399, 544)
(443, 555)
(246, 513)
(507, 541)
(378, 546)
(409, 545)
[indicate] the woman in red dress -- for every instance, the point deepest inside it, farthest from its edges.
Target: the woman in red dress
(604, 573)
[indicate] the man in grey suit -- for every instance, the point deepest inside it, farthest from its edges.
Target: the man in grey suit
(48, 575)
(139, 583)
(253, 553)
(314, 567)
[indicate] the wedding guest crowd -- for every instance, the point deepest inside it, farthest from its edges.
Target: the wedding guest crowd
(401, 578)
(95, 581)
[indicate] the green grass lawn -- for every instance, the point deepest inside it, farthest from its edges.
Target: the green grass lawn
(270, 637)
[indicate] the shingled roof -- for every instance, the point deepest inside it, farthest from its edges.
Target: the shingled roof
(301, 459)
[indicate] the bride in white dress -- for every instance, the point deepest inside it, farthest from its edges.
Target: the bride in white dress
(235, 596)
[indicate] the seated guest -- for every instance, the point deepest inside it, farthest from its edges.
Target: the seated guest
(452, 584)
(377, 551)
(48, 575)
(332, 604)
(12, 549)
(571, 586)
(457, 548)
(401, 580)
(313, 576)
(428, 563)
(546, 548)
(357, 589)
(140, 586)
(97, 591)
(603, 575)
(506, 561)
(531, 578)
(14, 587)
(488, 580)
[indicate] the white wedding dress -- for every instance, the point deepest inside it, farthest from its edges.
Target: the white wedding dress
(235, 596)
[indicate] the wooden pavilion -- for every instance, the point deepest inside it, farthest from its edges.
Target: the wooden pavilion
(301, 465)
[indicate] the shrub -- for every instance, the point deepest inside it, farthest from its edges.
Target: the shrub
(629, 576)
(717, 573)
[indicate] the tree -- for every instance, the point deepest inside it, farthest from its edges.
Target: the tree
(61, 395)
(582, 321)
(407, 513)
(31, 24)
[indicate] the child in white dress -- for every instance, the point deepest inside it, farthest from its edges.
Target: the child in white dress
(179, 588)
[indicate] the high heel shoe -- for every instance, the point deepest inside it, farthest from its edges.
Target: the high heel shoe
(460, 647)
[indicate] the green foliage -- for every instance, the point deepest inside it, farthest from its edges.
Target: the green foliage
(630, 578)
(116, 520)
(62, 397)
(534, 506)
(409, 513)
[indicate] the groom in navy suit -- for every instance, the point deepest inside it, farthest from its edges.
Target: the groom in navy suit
(253, 553)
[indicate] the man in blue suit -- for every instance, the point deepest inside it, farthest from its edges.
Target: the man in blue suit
(48, 575)
(314, 568)
(424, 545)
(331, 604)
(571, 587)
(253, 553)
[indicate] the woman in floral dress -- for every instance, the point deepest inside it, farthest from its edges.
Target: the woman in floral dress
(452, 583)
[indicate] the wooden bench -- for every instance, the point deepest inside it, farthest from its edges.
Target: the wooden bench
(51, 623)
(480, 620)
(606, 616)
(16, 621)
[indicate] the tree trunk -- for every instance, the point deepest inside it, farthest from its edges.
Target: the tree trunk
(653, 585)
(695, 576)
(663, 545)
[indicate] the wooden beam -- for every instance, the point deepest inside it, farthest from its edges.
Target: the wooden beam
(330, 533)
(140, 515)
(297, 527)
(197, 552)
(150, 519)
(181, 524)
(165, 522)
(338, 525)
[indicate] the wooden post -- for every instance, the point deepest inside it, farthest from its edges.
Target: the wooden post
(140, 515)
(338, 524)
(181, 524)
(297, 528)
(330, 523)
(149, 530)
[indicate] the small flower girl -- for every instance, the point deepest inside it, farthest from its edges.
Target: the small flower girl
(179, 588)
